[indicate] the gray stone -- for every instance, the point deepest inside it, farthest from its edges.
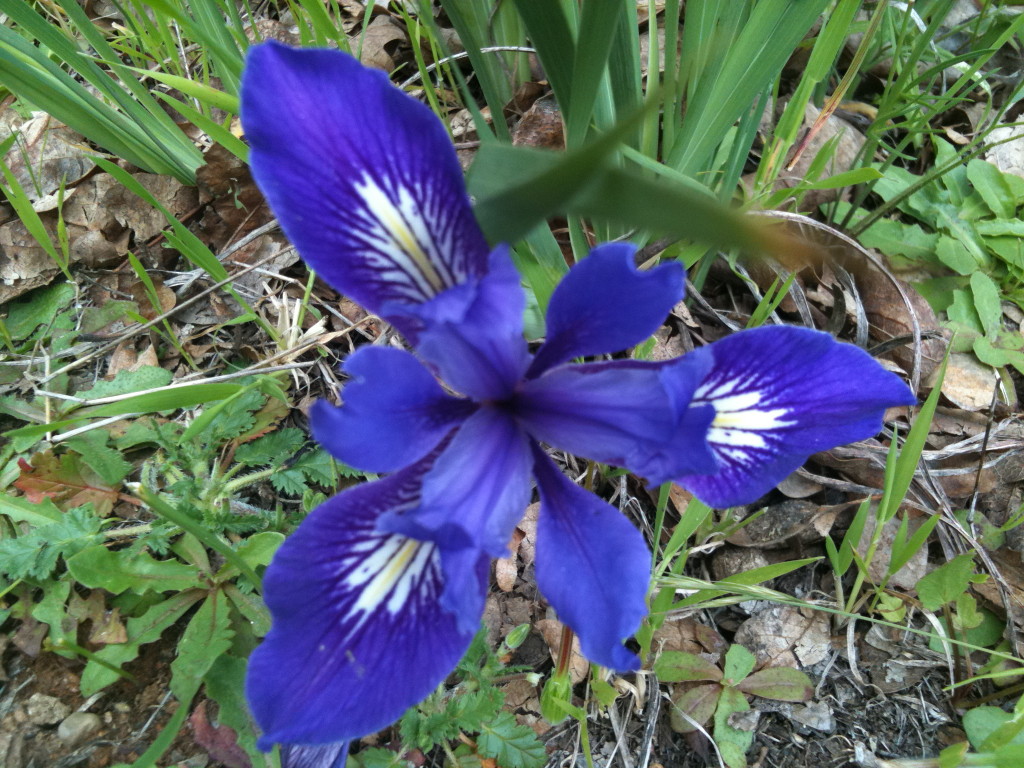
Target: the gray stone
(78, 727)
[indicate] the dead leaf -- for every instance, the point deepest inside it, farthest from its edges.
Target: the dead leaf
(907, 576)
(66, 480)
(46, 155)
(380, 41)
(540, 127)
(220, 742)
(968, 383)
(784, 636)
(505, 570)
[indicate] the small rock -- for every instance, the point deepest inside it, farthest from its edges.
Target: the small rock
(45, 710)
(78, 727)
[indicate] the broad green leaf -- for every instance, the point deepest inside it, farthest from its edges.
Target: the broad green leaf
(118, 571)
(679, 666)
(993, 187)
(699, 703)
(37, 308)
(21, 511)
(225, 684)
(141, 630)
(982, 723)
(955, 255)
(255, 551)
(946, 583)
(207, 636)
(732, 742)
(779, 683)
(125, 382)
(251, 606)
(987, 303)
(739, 662)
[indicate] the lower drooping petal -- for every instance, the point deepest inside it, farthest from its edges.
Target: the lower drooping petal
(394, 412)
(473, 333)
(623, 413)
(781, 394)
(362, 177)
(605, 304)
(319, 756)
(592, 566)
(358, 632)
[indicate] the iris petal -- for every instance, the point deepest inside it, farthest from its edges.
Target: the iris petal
(629, 414)
(604, 305)
(394, 412)
(358, 632)
(781, 394)
(473, 333)
(319, 756)
(592, 566)
(476, 492)
(362, 177)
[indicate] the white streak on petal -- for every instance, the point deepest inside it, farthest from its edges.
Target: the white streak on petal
(401, 246)
(735, 437)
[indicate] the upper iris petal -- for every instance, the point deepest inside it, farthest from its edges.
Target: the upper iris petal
(473, 333)
(363, 178)
(605, 305)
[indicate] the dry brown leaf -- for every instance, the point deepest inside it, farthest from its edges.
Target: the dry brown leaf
(379, 42)
(540, 127)
(784, 636)
(907, 576)
(46, 155)
(968, 383)
(505, 568)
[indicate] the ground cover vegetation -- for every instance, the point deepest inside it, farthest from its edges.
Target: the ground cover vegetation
(852, 167)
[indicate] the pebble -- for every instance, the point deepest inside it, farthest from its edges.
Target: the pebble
(45, 710)
(78, 727)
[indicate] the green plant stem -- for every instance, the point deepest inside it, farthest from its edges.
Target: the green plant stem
(246, 480)
(207, 537)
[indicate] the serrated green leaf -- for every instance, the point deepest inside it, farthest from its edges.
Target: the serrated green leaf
(105, 461)
(207, 636)
(291, 481)
(22, 511)
(510, 744)
(257, 550)
(274, 448)
(119, 571)
(679, 666)
(779, 683)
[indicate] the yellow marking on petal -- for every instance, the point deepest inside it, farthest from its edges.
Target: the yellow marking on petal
(751, 420)
(395, 224)
(386, 578)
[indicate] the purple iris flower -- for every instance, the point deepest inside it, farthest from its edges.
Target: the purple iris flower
(378, 593)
